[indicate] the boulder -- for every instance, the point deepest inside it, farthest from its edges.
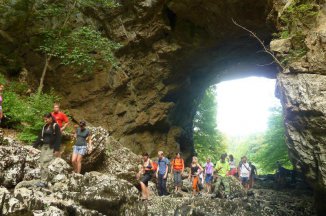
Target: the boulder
(17, 162)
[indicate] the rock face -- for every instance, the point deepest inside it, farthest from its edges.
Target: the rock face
(17, 163)
(301, 88)
(171, 53)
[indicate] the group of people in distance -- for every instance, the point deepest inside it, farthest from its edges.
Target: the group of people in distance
(198, 175)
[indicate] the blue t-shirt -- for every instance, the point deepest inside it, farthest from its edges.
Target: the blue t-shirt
(162, 164)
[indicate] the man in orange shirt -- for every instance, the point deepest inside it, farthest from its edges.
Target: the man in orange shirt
(177, 168)
(62, 121)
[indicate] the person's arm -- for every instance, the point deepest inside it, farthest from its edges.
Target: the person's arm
(66, 122)
(183, 166)
(89, 138)
(200, 168)
(157, 170)
(172, 165)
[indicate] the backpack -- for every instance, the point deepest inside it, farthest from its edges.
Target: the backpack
(155, 165)
(180, 163)
(54, 124)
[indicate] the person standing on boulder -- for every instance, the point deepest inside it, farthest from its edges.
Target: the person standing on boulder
(177, 168)
(83, 136)
(1, 100)
(244, 172)
(162, 174)
(209, 170)
(222, 169)
(146, 170)
(49, 141)
(62, 121)
(195, 170)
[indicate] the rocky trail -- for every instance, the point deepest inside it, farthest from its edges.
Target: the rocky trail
(110, 188)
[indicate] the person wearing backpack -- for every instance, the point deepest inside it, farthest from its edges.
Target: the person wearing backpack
(49, 142)
(177, 168)
(162, 174)
(222, 169)
(244, 172)
(83, 143)
(146, 170)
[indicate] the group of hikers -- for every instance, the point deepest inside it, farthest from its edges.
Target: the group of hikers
(199, 176)
(49, 140)
(56, 122)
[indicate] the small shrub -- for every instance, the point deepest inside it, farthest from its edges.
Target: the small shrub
(24, 113)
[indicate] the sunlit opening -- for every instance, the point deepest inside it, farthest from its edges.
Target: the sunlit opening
(244, 105)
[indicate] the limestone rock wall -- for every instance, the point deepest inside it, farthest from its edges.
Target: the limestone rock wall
(301, 88)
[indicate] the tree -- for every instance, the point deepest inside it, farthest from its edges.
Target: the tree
(274, 146)
(60, 32)
(209, 142)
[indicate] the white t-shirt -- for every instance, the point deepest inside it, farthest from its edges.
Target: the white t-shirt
(232, 164)
(245, 170)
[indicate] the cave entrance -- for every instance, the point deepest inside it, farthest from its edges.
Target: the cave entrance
(241, 117)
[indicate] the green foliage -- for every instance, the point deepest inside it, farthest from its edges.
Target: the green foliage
(25, 113)
(56, 28)
(264, 149)
(79, 46)
(301, 13)
(209, 142)
(274, 147)
(96, 3)
(295, 19)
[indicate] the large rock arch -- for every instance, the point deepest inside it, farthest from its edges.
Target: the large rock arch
(173, 50)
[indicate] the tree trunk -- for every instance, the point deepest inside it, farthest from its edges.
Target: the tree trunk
(45, 68)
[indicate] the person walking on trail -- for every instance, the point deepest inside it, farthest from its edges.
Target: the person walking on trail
(253, 174)
(195, 170)
(244, 172)
(233, 166)
(62, 120)
(49, 141)
(177, 168)
(147, 171)
(222, 169)
(83, 143)
(1, 100)
(208, 173)
(162, 174)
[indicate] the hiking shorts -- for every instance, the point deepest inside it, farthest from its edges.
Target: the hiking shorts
(146, 177)
(81, 150)
(208, 178)
(244, 180)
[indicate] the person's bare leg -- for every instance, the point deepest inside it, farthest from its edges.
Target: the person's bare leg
(79, 160)
(143, 190)
(74, 161)
(146, 192)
